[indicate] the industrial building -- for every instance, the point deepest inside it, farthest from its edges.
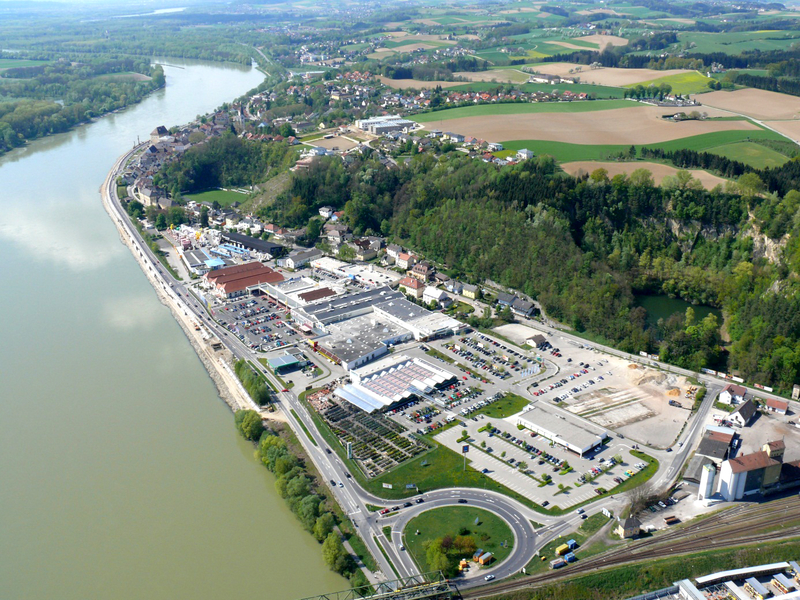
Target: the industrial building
(387, 124)
(359, 340)
(238, 280)
(267, 250)
(563, 428)
(760, 472)
(393, 382)
(777, 581)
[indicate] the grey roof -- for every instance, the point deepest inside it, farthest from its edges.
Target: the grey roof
(402, 309)
(504, 298)
(300, 255)
(341, 305)
(712, 449)
(746, 409)
(252, 243)
(357, 337)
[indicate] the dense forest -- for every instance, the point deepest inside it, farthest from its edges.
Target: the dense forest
(51, 98)
(584, 246)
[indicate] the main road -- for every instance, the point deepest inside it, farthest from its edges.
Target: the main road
(350, 495)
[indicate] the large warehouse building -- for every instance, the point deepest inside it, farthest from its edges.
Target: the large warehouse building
(563, 428)
(393, 382)
(231, 282)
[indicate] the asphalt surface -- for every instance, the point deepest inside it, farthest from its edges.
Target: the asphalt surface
(353, 498)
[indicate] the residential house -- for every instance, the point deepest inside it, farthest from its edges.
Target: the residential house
(469, 290)
(405, 260)
(628, 528)
(732, 394)
(743, 414)
(522, 307)
(300, 258)
(158, 133)
(777, 406)
(454, 286)
(524, 154)
(411, 286)
(504, 299)
(326, 211)
(393, 250)
(364, 250)
(422, 271)
(437, 296)
(495, 147)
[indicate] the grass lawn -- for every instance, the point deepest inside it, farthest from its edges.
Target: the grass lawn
(682, 83)
(629, 580)
(587, 529)
(491, 533)
(517, 108)
(505, 407)
(751, 153)
(224, 198)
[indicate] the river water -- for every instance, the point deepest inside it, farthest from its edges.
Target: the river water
(121, 474)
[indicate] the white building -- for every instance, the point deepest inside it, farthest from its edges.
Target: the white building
(732, 394)
(563, 428)
(440, 297)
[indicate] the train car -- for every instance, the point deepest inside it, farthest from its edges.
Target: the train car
(562, 550)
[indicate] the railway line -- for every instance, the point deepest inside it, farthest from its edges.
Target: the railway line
(739, 525)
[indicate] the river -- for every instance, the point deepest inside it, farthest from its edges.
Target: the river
(121, 474)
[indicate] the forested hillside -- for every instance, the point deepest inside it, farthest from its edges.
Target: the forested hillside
(583, 247)
(51, 98)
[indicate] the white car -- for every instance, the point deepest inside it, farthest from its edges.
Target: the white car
(489, 577)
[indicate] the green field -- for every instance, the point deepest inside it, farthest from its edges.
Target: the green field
(505, 407)
(740, 41)
(682, 83)
(224, 198)
(750, 153)
(491, 533)
(518, 108)
(600, 91)
(564, 152)
(10, 63)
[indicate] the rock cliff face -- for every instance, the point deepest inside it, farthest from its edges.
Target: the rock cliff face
(764, 247)
(687, 232)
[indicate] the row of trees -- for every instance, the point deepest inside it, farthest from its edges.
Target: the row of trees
(301, 491)
(252, 382)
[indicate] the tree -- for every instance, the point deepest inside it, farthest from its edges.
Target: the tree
(313, 230)
(346, 252)
(161, 221)
(204, 217)
(324, 526)
(332, 550)
(640, 497)
(249, 424)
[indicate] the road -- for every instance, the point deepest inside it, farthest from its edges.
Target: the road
(352, 498)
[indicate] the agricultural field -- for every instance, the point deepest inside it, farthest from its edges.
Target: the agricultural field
(10, 63)
(498, 75)
(607, 76)
(659, 170)
(418, 84)
(492, 110)
(737, 42)
(568, 152)
(691, 82)
(225, 198)
(600, 91)
(758, 104)
(622, 123)
(751, 153)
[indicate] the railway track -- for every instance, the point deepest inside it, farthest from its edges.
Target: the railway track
(741, 524)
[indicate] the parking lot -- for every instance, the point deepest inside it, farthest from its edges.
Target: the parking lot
(522, 462)
(258, 322)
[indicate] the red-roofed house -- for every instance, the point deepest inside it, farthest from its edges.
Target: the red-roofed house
(412, 286)
(777, 406)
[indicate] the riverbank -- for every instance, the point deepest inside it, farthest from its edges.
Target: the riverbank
(216, 362)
